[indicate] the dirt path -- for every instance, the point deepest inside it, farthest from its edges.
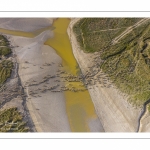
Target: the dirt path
(128, 30)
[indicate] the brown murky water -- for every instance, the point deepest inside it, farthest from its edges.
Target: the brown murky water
(80, 108)
(79, 104)
(25, 34)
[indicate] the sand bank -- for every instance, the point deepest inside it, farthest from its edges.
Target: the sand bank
(115, 113)
(25, 24)
(47, 109)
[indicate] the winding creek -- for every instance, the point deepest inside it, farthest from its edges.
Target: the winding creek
(79, 106)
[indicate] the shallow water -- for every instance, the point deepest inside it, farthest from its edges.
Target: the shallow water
(79, 106)
(25, 34)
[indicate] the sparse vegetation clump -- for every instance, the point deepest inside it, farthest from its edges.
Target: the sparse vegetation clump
(12, 121)
(4, 46)
(148, 107)
(5, 70)
(127, 63)
(5, 51)
(5, 64)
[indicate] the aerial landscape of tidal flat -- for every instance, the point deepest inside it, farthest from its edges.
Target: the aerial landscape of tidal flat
(74, 75)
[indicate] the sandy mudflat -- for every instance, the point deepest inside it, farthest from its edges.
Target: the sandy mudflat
(47, 108)
(115, 113)
(25, 24)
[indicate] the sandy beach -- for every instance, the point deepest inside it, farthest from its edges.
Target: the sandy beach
(115, 113)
